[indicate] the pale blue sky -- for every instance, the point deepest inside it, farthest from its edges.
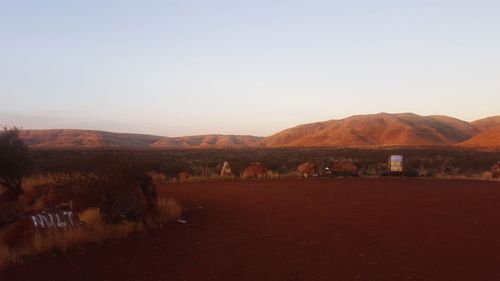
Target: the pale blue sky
(243, 67)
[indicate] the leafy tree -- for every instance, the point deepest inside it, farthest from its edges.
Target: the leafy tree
(14, 161)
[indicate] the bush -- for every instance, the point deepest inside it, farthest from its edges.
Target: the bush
(14, 162)
(410, 172)
(112, 181)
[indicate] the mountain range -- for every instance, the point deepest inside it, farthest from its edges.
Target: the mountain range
(375, 130)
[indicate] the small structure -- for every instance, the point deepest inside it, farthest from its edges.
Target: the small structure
(307, 169)
(226, 170)
(345, 168)
(327, 172)
(183, 177)
(495, 170)
(396, 165)
(254, 170)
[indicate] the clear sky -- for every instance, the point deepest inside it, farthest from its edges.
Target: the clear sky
(183, 67)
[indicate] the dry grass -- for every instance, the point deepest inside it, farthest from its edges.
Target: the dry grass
(31, 182)
(211, 178)
(158, 176)
(168, 210)
(9, 256)
(487, 176)
(218, 178)
(272, 175)
(93, 229)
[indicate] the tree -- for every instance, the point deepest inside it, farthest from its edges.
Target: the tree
(14, 161)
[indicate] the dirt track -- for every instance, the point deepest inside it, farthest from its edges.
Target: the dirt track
(342, 229)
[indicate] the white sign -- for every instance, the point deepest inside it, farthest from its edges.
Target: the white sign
(54, 219)
(396, 163)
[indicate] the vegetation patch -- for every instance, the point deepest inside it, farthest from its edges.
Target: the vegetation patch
(92, 228)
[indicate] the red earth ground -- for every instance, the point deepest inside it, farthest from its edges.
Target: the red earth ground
(339, 229)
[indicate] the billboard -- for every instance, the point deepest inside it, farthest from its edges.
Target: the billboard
(396, 163)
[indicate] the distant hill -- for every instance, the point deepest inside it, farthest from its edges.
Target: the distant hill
(382, 129)
(376, 130)
(94, 139)
(208, 141)
(487, 123)
(84, 138)
(488, 139)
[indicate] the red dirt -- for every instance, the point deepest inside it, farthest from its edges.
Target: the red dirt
(341, 229)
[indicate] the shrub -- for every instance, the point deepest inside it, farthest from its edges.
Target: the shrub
(158, 176)
(168, 210)
(486, 176)
(410, 172)
(9, 212)
(344, 168)
(254, 170)
(14, 162)
(118, 197)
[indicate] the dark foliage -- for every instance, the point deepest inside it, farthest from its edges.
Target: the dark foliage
(370, 162)
(14, 162)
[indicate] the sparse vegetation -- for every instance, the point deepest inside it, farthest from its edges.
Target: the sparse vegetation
(104, 188)
(158, 176)
(168, 210)
(205, 165)
(92, 229)
(109, 190)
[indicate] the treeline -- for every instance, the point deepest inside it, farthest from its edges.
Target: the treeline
(370, 162)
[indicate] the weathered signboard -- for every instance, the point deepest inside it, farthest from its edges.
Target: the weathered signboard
(53, 219)
(396, 163)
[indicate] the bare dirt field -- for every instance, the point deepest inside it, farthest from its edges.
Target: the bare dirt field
(334, 229)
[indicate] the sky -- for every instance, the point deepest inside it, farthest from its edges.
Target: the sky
(185, 67)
